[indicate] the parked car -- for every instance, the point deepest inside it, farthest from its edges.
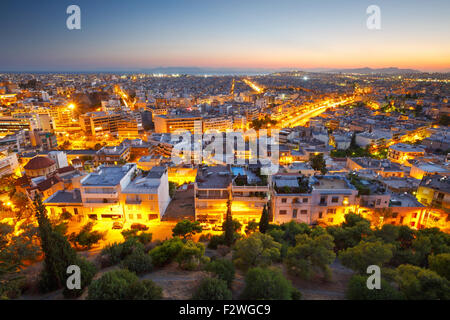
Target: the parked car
(117, 225)
(139, 226)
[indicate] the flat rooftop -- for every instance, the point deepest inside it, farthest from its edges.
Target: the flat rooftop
(106, 176)
(214, 177)
(64, 196)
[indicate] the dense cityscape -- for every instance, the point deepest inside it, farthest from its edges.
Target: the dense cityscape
(223, 183)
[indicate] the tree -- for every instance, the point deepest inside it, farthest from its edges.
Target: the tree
(440, 264)
(264, 221)
(365, 254)
(138, 261)
(86, 238)
(357, 290)
(123, 285)
(172, 188)
(422, 284)
(351, 232)
(58, 254)
(267, 284)
(228, 226)
(166, 252)
(223, 269)
(212, 289)
(114, 253)
(251, 227)
(318, 163)
(311, 254)
(190, 255)
(186, 229)
(257, 250)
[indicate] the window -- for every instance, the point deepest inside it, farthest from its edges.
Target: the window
(412, 224)
(139, 216)
(378, 202)
(283, 200)
(334, 199)
(414, 215)
(295, 200)
(320, 215)
(305, 200)
(330, 220)
(294, 213)
(52, 210)
(130, 216)
(303, 211)
(282, 212)
(75, 210)
(331, 211)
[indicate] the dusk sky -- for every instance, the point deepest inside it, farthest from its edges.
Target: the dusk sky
(129, 35)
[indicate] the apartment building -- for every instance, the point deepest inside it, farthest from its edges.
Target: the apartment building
(174, 123)
(401, 153)
(113, 155)
(212, 190)
(434, 191)
(308, 200)
(115, 193)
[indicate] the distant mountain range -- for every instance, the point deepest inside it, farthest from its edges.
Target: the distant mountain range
(256, 71)
(367, 70)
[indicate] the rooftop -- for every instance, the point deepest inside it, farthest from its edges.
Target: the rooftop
(107, 176)
(214, 177)
(437, 182)
(64, 196)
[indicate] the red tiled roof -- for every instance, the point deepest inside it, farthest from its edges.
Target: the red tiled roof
(39, 162)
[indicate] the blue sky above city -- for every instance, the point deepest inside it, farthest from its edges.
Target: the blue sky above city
(132, 35)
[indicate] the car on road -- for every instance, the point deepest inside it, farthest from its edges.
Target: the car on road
(139, 226)
(117, 225)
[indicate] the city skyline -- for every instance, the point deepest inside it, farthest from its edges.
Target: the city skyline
(252, 35)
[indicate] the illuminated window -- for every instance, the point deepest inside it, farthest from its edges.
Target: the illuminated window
(283, 200)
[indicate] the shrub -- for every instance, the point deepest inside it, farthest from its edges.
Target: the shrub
(123, 285)
(257, 250)
(365, 254)
(116, 252)
(215, 241)
(212, 289)
(88, 271)
(440, 264)
(357, 290)
(422, 284)
(136, 235)
(224, 269)
(138, 262)
(166, 252)
(189, 257)
(267, 284)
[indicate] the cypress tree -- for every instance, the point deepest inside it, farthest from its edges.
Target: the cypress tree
(229, 230)
(58, 254)
(264, 221)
